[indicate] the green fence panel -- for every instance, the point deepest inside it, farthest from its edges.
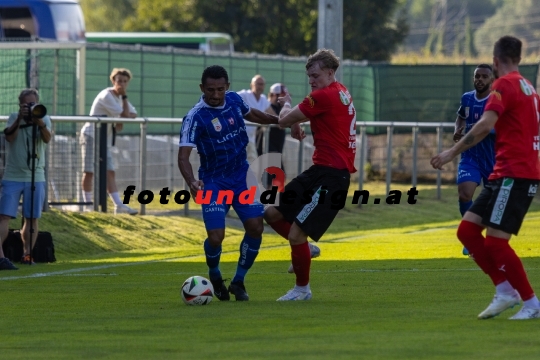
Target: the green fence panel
(166, 82)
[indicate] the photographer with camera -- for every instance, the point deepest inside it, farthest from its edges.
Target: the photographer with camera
(25, 162)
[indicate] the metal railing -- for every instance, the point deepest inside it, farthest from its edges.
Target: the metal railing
(361, 144)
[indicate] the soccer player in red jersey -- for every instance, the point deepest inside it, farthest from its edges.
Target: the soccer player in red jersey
(501, 206)
(312, 200)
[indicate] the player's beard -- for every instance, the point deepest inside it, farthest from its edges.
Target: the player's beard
(495, 72)
(482, 89)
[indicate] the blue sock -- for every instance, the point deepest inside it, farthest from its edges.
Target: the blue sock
(249, 249)
(464, 206)
(213, 254)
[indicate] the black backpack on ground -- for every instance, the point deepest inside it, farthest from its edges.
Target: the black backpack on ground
(43, 251)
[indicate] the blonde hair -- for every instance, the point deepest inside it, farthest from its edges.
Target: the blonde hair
(120, 71)
(326, 58)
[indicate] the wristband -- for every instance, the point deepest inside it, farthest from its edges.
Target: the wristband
(124, 97)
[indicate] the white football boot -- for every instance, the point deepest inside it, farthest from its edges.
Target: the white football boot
(500, 303)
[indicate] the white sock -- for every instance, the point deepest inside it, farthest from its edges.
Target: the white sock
(88, 196)
(115, 197)
(532, 303)
(302, 288)
(504, 288)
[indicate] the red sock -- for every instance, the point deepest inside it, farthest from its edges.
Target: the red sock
(470, 235)
(282, 227)
(301, 261)
(509, 263)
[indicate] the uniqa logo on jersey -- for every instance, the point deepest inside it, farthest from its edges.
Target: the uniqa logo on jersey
(271, 164)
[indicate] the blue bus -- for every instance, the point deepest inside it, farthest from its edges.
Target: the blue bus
(57, 20)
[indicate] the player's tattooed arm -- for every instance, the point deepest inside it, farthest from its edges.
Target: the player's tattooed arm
(469, 139)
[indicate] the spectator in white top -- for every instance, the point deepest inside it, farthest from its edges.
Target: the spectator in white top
(110, 102)
(255, 99)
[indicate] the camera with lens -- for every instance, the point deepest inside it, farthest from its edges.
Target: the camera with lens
(35, 111)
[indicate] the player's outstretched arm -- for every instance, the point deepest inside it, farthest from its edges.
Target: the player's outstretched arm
(290, 116)
(187, 171)
(260, 117)
(479, 131)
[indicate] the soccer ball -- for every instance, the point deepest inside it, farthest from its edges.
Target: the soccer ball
(197, 290)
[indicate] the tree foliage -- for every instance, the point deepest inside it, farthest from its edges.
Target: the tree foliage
(519, 18)
(107, 15)
(372, 30)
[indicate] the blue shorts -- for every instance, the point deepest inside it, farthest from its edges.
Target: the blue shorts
(469, 170)
(11, 192)
(214, 213)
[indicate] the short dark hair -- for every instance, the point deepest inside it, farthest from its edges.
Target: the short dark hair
(485, 66)
(326, 58)
(508, 50)
(26, 92)
(214, 72)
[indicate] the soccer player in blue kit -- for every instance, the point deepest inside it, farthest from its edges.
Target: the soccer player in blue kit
(215, 126)
(477, 162)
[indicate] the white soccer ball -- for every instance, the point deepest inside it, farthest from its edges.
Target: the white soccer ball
(197, 290)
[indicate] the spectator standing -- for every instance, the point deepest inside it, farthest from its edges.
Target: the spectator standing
(255, 99)
(112, 102)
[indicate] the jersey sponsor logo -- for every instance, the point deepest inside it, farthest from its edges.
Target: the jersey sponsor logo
(532, 190)
(502, 201)
(303, 215)
(229, 136)
(193, 132)
(214, 206)
(463, 173)
(217, 124)
(536, 143)
(525, 87)
(497, 94)
(231, 121)
(344, 98)
(311, 101)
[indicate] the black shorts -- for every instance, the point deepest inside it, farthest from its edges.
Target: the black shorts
(503, 203)
(313, 199)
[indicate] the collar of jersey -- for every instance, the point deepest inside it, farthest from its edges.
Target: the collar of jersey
(212, 107)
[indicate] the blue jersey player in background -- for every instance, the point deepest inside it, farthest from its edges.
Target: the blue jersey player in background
(215, 126)
(476, 163)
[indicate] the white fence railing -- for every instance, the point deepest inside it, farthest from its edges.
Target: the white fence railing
(156, 164)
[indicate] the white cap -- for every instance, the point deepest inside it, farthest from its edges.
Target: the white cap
(278, 88)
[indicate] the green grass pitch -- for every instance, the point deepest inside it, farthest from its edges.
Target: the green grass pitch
(391, 283)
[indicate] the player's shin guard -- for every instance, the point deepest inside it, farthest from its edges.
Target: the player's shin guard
(470, 235)
(508, 262)
(213, 254)
(301, 261)
(249, 249)
(282, 227)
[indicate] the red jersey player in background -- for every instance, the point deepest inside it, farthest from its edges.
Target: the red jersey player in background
(501, 206)
(312, 200)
